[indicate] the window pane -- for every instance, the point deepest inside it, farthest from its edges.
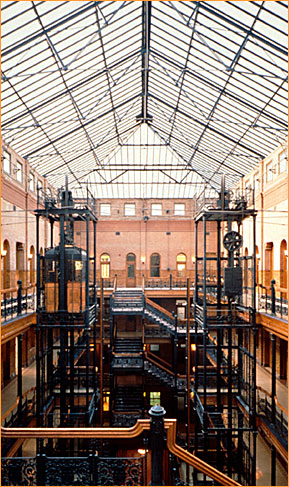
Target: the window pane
(130, 270)
(181, 258)
(130, 258)
(105, 209)
(31, 181)
(180, 209)
(104, 270)
(156, 209)
(155, 398)
(7, 162)
(282, 162)
(155, 259)
(155, 272)
(19, 172)
(129, 209)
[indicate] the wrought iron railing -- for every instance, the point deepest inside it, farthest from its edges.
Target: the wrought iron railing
(272, 300)
(67, 471)
(84, 471)
(17, 301)
(278, 417)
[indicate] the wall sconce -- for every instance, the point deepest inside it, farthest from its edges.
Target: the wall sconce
(143, 259)
(193, 259)
(141, 451)
(193, 347)
(30, 256)
(192, 395)
(3, 252)
(258, 256)
(286, 253)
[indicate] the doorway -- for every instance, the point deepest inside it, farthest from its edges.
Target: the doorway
(130, 270)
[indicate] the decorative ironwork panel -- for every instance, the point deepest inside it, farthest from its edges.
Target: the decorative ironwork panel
(120, 471)
(18, 471)
(67, 471)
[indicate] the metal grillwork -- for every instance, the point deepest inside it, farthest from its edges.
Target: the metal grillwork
(144, 98)
(91, 470)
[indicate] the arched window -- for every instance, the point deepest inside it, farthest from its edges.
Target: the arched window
(181, 265)
(283, 264)
(130, 263)
(5, 261)
(105, 266)
(257, 264)
(268, 263)
(155, 265)
(31, 259)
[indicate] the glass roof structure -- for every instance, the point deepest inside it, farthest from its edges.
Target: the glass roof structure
(144, 99)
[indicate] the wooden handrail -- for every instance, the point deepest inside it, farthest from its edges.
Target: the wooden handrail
(154, 357)
(155, 305)
(278, 289)
(185, 456)
(15, 289)
(284, 410)
(158, 365)
(123, 433)
(17, 402)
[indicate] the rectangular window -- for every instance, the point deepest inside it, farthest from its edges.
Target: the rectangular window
(282, 162)
(155, 398)
(6, 162)
(19, 171)
(180, 209)
(105, 209)
(157, 209)
(31, 181)
(256, 183)
(129, 209)
(269, 172)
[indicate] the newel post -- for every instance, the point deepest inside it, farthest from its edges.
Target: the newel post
(157, 443)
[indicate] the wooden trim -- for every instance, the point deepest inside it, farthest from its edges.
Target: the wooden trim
(14, 327)
(160, 308)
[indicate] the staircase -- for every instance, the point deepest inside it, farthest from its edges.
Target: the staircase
(163, 376)
(127, 354)
(128, 405)
(127, 301)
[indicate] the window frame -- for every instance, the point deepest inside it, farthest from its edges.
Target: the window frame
(155, 266)
(131, 206)
(176, 212)
(105, 265)
(6, 152)
(101, 209)
(156, 211)
(19, 170)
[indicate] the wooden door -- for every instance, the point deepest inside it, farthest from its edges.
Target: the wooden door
(130, 270)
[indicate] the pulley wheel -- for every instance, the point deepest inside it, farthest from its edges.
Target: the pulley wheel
(232, 241)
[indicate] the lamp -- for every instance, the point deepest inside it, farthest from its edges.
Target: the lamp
(193, 259)
(193, 347)
(286, 253)
(30, 256)
(143, 259)
(3, 252)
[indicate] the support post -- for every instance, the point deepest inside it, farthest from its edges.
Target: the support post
(273, 297)
(19, 377)
(188, 364)
(101, 351)
(273, 465)
(273, 383)
(157, 443)
(19, 297)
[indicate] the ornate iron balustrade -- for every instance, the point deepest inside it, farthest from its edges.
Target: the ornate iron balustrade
(65, 471)
(18, 301)
(123, 420)
(264, 407)
(126, 363)
(157, 425)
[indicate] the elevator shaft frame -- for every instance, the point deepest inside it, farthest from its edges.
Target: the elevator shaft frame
(225, 365)
(66, 392)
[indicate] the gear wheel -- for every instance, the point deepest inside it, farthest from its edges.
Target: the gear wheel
(232, 241)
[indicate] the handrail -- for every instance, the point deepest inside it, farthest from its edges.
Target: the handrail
(158, 365)
(117, 433)
(278, 289)
(15, 289)
(159, 308)
(284, 410)
(185, 456)
(143, 283)
(115, 283)
(154, 357)
(17, 402)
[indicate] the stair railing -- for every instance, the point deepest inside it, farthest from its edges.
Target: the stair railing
(170, 425)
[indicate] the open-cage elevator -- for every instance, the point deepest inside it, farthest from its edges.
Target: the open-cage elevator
(224, 377)
(66, 372)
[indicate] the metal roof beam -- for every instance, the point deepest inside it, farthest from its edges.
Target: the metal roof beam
(146, 37)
